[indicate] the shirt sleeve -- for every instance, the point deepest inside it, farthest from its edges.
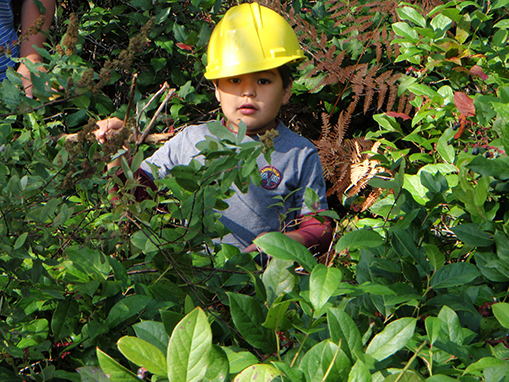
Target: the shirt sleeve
(317, 235)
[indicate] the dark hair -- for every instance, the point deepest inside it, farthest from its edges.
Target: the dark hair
(16, 11)
(286, 75)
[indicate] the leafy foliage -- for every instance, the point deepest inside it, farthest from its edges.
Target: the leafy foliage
(415, 288)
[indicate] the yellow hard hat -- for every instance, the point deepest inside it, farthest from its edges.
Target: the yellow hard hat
(250, 38)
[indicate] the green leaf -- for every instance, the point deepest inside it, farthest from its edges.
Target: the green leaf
(469, 234)
(276, 314)
(343, 328)
(501, 312)
(483, 364)
(320, 358)
(362, 238)
(279, 278)
(153, 332)
(248, 316)
(190, 348)
(435, 256)
(451, 326)
(323, 283)
(113, 370)
(497, 168)
(406, 31)
(433, 327)
(293, 374)
(20, 241)
(219, 367)
(65, 318)
(359, 372)
(454, 274)
(393, 338)
(239, 360)
(221, 131)
(136, 161)
(92, 374)
(126, 308)
(282, 247)
(143, 354)
(89, 260)
(259, 372)
(440, 378)
(411, 14)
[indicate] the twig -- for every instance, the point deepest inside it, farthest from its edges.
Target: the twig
(130, 105)
(159, 92)
(151, 138)
(152, 121)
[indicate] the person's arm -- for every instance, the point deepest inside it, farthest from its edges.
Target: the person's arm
(29, 14)
(313, 234)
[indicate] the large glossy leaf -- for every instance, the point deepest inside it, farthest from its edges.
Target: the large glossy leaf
(190, 348)
(454, 274)
(359, 373)
(294, 374)
(153, 332)
(325, 356)
(126, 308)
(248, 316)
(393, 338)
(219, 367)
(238, 359)
(484, 363)
(64, 318)
(260, 372)
(501, 312)
(143, 354)
(282, 247)
(323, 283)
(360, 238)
(450, 326)
(433, 327)
(343, 328)
(92, 374)
(406, 376)
(470, 234)
(113, 370)
(279, 278)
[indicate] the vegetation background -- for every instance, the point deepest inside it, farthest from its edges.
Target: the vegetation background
(408, 104)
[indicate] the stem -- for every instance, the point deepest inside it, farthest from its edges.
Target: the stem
(332, 362)
(407, 366)
(152, 121)
(298, 351)
(278, 346)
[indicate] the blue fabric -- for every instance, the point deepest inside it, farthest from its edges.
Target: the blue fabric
(7, 37)
(295, 166)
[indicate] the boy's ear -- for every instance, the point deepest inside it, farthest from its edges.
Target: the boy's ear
(287, 93)
(216, 91)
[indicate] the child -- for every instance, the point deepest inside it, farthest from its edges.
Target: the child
(247, 57)
(29, 15)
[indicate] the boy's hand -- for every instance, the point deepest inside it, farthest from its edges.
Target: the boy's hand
(107, 127)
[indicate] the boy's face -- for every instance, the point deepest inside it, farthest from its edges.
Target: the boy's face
(254, 98)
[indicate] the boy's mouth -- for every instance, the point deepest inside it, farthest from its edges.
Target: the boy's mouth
(247, 108)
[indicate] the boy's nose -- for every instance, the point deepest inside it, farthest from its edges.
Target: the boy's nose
(248, 91)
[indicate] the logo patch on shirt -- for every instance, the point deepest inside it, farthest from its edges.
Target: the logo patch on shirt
(271, 177)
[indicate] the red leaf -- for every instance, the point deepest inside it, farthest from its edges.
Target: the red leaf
(461, 128)
(476, 70)
(465, 104)
(184, 46)
(397, 115)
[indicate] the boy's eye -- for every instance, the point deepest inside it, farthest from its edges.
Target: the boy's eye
(234, 80)
(264, 81)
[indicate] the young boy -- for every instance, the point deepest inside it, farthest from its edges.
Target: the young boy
(247, 57)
